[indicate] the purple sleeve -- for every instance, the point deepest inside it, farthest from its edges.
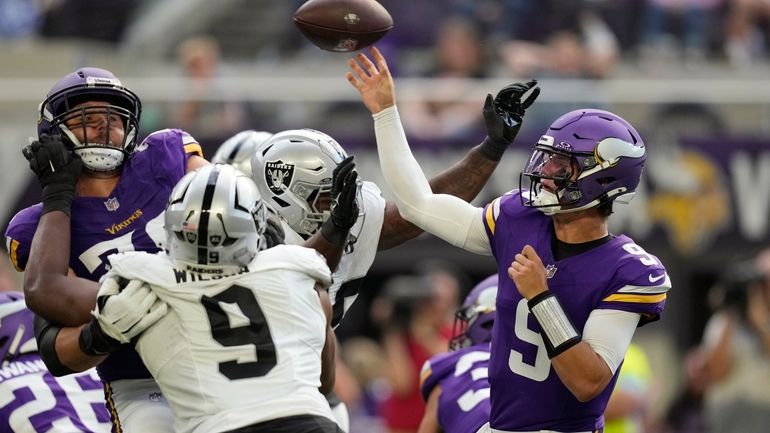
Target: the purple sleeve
(164, 154)
(19, 234)
(642, 285)
(434, 371)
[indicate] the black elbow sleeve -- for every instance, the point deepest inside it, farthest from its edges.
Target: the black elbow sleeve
(45, 335)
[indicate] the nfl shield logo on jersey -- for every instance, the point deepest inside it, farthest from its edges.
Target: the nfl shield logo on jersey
(112, 204)
(550, 271)
(278, 176)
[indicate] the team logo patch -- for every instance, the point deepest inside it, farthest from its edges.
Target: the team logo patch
(550, 271)
(278, 176)
(112, 204)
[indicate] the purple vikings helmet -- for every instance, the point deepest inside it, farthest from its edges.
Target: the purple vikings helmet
(92, 84)
(587, 157)
(17, 335)
(473, 321)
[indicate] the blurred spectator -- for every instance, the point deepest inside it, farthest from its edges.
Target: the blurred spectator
(414, 313)
(590, 51)
(366, 363)
(685, 414)
(459, 53)
(88, 19)
(627, 409)
(204, 114)
(746, 28)
(18, 18)
(695, 18)
(736, 350)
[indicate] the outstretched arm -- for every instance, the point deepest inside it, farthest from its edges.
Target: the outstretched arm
(503, 116)
(446, 216)
(464, 179)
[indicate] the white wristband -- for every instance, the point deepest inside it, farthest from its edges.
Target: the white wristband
(558, 332)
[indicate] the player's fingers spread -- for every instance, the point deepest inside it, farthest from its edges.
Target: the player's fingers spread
(367, 63)
(488, 101)
(382, 64)
(362, 75)
(352, 80)
(531, 98)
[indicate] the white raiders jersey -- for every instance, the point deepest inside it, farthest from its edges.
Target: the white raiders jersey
(238, 346)
(359, 253)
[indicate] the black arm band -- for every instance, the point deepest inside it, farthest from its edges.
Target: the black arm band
(45, 335)
(492, 149)
(557, 330)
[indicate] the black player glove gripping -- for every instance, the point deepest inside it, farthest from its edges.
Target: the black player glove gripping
(274, 234)
(503, 116)
(57, 170)
(344, 210)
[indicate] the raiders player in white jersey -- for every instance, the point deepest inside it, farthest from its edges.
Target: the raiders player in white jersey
(247, 343)
(293, 170)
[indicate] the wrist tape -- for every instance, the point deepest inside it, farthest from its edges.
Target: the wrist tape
(558, 332)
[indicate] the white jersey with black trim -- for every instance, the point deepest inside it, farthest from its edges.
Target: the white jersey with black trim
(239, 346)
(359, 253)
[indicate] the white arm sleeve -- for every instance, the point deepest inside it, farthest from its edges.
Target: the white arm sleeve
(448, 217)
(609, 333)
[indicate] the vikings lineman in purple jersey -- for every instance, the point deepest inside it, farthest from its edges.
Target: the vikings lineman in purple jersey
(102, 194)
(455, 385)
(33, 400)
(570, 294)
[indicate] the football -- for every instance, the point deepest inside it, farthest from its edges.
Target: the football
(343, 25)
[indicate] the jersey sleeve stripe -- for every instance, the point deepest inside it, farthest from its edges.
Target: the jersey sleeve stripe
(425, 374)
(491, 213)
(644, 289)
(13, 247)
(638, 299)
(193, 149)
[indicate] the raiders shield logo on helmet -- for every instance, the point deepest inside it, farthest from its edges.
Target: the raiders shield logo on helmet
(278, 176)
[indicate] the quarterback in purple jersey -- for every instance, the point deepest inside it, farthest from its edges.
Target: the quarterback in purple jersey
(102, 193)
(571, 294)
(455, 385)
(33, 400)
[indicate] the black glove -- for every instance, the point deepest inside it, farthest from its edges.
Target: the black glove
(93, 341)
(503, 117)
(57, 170)
(274, 234)
(344, 211)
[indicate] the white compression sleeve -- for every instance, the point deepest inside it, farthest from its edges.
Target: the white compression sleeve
(443, 215)
(609, 333)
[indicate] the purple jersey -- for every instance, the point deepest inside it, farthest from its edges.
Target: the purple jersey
(463, 405)
(526, 392)
(130, 219)
(31, 399)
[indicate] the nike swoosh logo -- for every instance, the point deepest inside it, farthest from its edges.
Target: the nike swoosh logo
(655, 279)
